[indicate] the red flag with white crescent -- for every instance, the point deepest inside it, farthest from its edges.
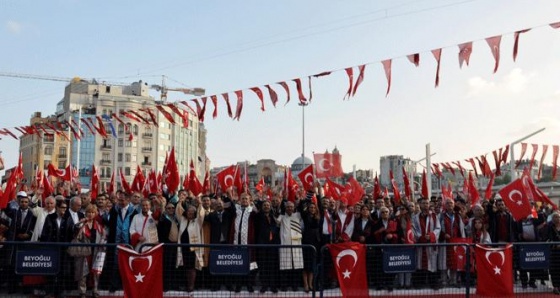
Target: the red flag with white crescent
(535, 149)
(307, 178)
(465, 51)
(349, 261)
(239, 107)
(226, 178)
(299, 89)
(360, 79)
(273, 95)
(141, 273)
(544, 150)
(523, 150)
(516, 199)
(488, 192)
(494, 271)
(328, 165)
(228, 105)
(260, 95)
(287, 89)
(407, 189)
(354, 191)
(516, 42)
(494, 43)
(396, 192)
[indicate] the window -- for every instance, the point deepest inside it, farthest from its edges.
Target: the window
(105, 156)
(134, 144)
(135, 129)
(62, 150)
(119, 157)
(48, 138)
(127, 157)
(133, 159)
(127, 171)
(120, 142)
(48, 150)
(121, 128)
(127, 143)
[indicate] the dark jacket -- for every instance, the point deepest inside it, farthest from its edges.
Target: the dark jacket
(51, 232)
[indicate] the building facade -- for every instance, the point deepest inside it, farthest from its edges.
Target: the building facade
(395, 163)
(126, 146)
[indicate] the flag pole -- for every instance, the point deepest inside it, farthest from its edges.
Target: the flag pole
(429, 170)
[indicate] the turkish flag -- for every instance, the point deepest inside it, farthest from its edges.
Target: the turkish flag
(206, 183)
(495, 271)
(141, 273)
(328, 165)
(473, 191)
(151, 184)
(48, 189)
(406, 182)
(53, 171)
(94, 183)
(306, 177)
(260, 185)
(293, 187)
(139, 180)
(194, 184)
(334, 189)
(225, 177)
(172, 179)
(424, 185)
(396, 191)
(124, 183)
(111, 187)
(349, 260)
(534, 193)
(376, 188)
(459, 253)
(239, 185)
(516, 199)
(354, 191)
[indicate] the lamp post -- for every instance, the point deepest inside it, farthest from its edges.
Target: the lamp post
(411, 177)
(511, 157)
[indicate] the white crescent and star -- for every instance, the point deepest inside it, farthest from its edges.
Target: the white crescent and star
(497, 270)
(139, 277)
(512, 193)
(346, 252)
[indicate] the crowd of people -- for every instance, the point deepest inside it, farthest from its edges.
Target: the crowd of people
(245, 219)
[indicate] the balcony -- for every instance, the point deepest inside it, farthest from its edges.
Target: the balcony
(62, 155)
(147, 135)
(147, 163)
(105, 162)
(106, 147)
(146, 149)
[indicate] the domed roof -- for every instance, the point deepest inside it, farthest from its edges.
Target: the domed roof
(306, 161)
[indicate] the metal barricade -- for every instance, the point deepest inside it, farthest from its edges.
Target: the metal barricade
(405, 269)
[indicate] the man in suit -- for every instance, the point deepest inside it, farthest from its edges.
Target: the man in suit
(118, 220)
(73, 215)
(220, 221)
(54, 230)
(21, 229)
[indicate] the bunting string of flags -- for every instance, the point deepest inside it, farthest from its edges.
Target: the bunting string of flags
(482, 164)
(146, 116)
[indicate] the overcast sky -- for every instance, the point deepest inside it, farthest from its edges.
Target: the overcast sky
(225, 46)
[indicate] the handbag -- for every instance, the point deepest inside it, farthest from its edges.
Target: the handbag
(173, 232)
(79, 250)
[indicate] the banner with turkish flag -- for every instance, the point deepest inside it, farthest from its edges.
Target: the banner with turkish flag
(111, 187)
(349, 260)
(194, 184)
(328, 165)
(307, 178)
(225, 177)
(172, 179)
(48, 189)
(495, 271)
(141, 273)
(354, 191)
(516, 199)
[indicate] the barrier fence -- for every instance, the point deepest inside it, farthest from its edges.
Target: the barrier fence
(276, 271)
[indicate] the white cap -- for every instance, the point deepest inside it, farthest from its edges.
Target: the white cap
(22, 194)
